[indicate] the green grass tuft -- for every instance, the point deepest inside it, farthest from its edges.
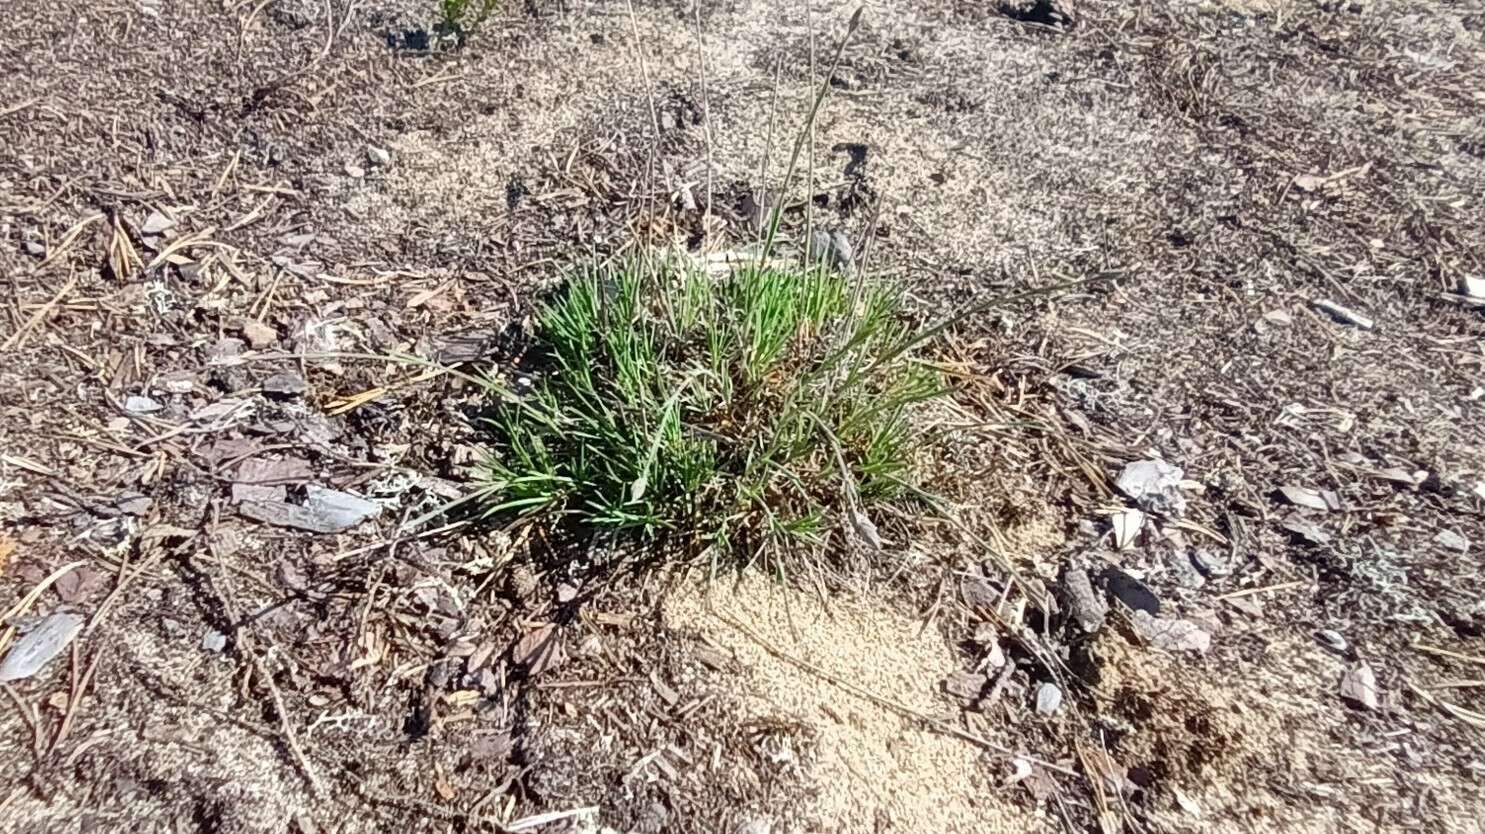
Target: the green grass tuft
(764, 407)
(462, 17)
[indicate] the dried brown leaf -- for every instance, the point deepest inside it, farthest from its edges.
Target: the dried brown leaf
(539, 650)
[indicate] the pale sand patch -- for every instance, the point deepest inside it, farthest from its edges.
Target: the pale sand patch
(874, 769)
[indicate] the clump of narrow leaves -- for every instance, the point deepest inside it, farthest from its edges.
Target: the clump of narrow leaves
(765, 407)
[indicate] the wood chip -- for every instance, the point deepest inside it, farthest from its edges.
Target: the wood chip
(1127, 525)
(1084, 606)
(1304, 497)
(714, 659)
(1345, 315)
(260, 479)
(1306, 529)
(490, 746)
(1172, 635)
(539, 650)
(258, 334)
(668, 695)
(1359, 686)
(966, 687)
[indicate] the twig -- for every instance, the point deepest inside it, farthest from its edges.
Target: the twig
(706, 117)
(226, 172)
(30, 599)
(808, 130)
(528, 823)
(79, 686)
(1248, 592)
(1438, 652)
(16, 108)
(28, 713)
(40, 314)
(1459, 684)
(342, 556)
(644, 72)
(437, 79)
(1468, 716)
(245, 644)
(290, 737)
(80, 683)
(997, 301)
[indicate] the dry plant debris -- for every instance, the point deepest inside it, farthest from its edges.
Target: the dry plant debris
(204, 205)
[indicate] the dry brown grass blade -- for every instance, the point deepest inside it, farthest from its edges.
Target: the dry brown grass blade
(706, 118)
(201, 238)
(1468, 716)
(123, 259)
(355, 401)
(54, 252)
(17, 338)
(1441, 652)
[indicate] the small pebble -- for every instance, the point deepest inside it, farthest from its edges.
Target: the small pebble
(141, 405)
(258, 334)
(1452, 540)
(284, 386)
(1331, 639)
(1048, 698)
(214, 641)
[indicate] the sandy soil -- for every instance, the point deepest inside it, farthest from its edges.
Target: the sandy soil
(195, 196)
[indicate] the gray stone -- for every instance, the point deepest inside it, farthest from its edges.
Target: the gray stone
(40, 645)
(284, 386)
(324, 511)
(1452, 540)
(136, 404)
(1048, 698)
(156, 223)
(1154, 485)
